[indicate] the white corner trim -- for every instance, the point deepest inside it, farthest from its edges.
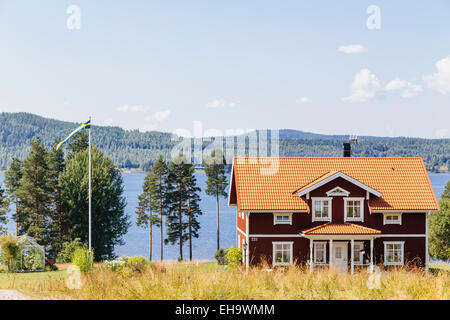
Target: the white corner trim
(339, 175)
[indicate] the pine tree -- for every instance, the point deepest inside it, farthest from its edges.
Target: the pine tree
(193, 206)
(12, 179)
(144, 209)
(34, 194)
(109, 221)
(79, 143)
(446, 193)
(217, 181)
(159, 189)
(4, 205)
(59, 220)
(177, 203)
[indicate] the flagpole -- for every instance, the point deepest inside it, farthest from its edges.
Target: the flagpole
(90, 255)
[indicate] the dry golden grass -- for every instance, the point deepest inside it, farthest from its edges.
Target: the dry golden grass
(209, 281)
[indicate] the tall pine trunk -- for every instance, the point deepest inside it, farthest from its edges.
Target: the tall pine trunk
(180, 221)
(17, 218)
(217, 207)
(190, 229)
(151, 238)
(161, 230)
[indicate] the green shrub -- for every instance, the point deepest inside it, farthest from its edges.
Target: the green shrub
(137, 263)
(80, 258)
(234, 256)
(69, 247)
(220, 256)
(11, 251)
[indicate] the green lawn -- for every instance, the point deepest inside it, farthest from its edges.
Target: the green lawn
(442, 267)
(15, 280)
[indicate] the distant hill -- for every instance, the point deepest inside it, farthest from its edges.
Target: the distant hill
(132, 149)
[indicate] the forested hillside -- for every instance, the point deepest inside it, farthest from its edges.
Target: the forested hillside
(134, 149)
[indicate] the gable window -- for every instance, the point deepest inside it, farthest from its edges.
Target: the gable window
(321, 208)
(393, 253)
(282, 253)
(354, 209)
(358, 248)
(320, 253)
(392, 218)
(282, 218)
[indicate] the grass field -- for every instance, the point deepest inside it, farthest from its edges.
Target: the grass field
(207, 280)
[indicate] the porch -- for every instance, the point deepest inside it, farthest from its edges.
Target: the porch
(341, 246)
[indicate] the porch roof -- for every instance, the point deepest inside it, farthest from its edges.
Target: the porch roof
(340, 229)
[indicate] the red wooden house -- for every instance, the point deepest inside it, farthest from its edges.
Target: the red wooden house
(338, 212)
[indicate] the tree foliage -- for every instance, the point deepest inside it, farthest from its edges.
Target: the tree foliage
(109, 221)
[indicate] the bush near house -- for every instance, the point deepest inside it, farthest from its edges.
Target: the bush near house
(80, 258)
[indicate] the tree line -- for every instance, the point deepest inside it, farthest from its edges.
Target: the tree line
(49, 193)
(131, 149)
(171, 197)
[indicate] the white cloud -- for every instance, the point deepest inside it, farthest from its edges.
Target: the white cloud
(108, 122)
(155, 119)
(407, 88)
(127, 108)
(353, 48)
(440, 81)
(220, 103)
(442, 133)
(365, 87)
(302, 100)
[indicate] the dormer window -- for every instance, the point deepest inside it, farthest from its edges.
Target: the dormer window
(354, 209)
(321, 209)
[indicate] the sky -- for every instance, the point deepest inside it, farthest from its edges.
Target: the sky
(334, 67)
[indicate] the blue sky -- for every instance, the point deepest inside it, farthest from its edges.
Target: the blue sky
(161, 65)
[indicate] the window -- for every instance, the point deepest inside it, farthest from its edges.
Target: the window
(282, 218)
(282, 253)
(358, 249)
(392, 218)
(239, 240)
(393, 253)
(321, 208)
(354, 209)
(320, 253)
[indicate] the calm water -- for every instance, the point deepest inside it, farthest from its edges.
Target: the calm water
(137, 239)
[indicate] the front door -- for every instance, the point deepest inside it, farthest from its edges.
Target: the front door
(340, 261)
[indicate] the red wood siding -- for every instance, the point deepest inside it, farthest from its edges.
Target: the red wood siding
(262, 224)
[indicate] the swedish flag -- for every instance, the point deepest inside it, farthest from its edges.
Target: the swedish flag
(86, 125)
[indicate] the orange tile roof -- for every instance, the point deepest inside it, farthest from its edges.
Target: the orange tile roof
(403, 182)
(340, 228)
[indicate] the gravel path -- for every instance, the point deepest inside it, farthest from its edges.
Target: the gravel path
(6, 294)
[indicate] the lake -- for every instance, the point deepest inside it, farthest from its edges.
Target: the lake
(137, 239)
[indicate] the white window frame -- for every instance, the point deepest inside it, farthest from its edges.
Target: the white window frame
(402, 251)
(361, 256)
(324, 243)
(361, 208)
(386, 214)
(275, 215)
(239, 240)
(291, 244)
(313, 208)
